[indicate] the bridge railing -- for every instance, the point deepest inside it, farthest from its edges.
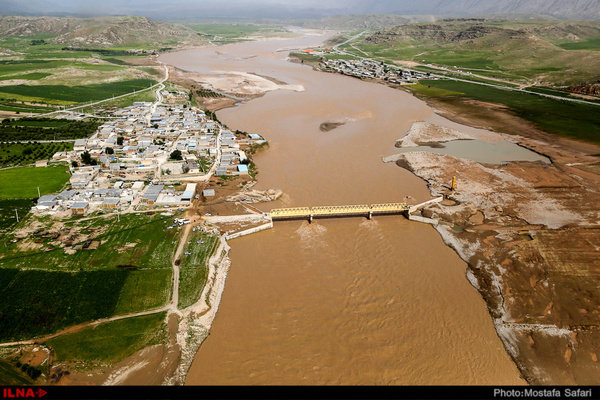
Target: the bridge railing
(324, 211)
(339, 210)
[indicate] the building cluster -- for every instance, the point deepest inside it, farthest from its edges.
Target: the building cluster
(131, 154)
(371, 69)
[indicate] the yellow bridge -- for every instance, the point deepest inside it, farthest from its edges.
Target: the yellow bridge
(338, 211)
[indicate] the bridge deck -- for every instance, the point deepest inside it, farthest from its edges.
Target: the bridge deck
(338, 211)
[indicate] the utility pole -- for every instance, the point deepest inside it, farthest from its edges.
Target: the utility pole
(17, 213)
(39, 195)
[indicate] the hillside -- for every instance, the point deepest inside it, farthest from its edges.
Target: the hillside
(101, 31)
(355, 22)
(542, 52)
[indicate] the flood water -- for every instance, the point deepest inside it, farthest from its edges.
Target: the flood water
(341, 301)
(491, 152)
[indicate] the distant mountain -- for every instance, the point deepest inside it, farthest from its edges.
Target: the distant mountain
(101, 31)
(302, 9)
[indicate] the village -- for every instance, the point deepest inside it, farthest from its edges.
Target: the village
(148, 155)
(365, 68)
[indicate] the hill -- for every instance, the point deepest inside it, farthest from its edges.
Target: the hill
(542, 52)
(101, 31)
(355, 22)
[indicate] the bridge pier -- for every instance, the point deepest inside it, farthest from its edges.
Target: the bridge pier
(370, 216)
(310, 219)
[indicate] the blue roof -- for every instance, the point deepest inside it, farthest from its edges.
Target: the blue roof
(242, 168)
(254, 136)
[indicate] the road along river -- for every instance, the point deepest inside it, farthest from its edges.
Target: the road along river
(346, 301)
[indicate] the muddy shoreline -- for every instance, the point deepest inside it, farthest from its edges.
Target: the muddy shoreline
(527, 232)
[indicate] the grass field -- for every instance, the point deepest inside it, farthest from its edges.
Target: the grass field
(7, 211)
(590, 44)
(33, 76)
(9, 105)
(577, 121)
(50, 290)
(145, 290)
(110, 342)
(306, 57)
(22, 182)
(42, 302)
(137, 241)
(10, 377)
(74, 94)
(25, 153)
(194, 268)
(108, 106)
(235, 31)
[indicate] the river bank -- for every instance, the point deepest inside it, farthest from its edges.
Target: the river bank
(528, 232)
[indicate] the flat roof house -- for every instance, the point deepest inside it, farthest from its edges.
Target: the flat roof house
(151, 194)
(80, 208)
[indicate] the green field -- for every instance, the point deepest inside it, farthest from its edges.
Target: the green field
(22, 182)
(74, 94)
(340, 57)
(27, 153)
(33, 76)
(145, 290)
(136, 242)
(563, 118)
(11, 105)
(7, 211)
(49, 290)
(10, 377)
(194, 267)
(306, 57)
(236, 31)
(31, 128)
(42, 302)
(112, 341)
(106, 108)
(9, 67)
(590, 44)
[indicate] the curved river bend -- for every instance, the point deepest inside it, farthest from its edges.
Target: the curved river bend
(346, 301)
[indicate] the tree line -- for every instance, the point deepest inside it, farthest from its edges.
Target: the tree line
(71, 130)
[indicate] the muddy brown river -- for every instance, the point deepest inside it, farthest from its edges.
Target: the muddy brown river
(341, 301)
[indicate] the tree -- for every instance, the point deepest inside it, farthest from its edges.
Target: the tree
(120, 140)
(74, 164)
(109, 150)
(185, 169)
(176, 155)
(86, 158)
